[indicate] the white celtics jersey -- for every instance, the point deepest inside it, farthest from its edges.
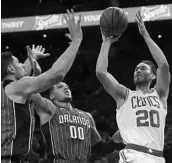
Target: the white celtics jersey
(141, 119)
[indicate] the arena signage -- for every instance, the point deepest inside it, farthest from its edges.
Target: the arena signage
(91, 18)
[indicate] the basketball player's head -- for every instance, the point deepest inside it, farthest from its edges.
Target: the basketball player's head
(61, 93)
(145, 73)
(10, 66)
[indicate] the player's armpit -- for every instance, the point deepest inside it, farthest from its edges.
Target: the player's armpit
(163, 81)
(43, 105)
(95, 136)
(112, 86)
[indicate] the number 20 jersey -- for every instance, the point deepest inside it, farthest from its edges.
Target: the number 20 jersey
(68, 136)
(141, 119)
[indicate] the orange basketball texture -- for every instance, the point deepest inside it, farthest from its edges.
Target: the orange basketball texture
(113, 21)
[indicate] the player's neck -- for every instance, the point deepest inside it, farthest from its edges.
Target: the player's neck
(65, 105)
(10, 77)
(68, 106)
(144, 89)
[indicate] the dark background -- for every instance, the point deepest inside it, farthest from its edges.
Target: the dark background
(88, 94)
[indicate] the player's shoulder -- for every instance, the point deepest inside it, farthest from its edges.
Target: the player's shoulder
(22, 81)
(90, 118)
(87, 114)
(82, 112)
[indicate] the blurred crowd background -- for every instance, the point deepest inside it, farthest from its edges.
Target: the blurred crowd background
(88, 94)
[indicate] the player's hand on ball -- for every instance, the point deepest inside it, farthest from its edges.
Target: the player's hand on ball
(111, 39)
(75, 31)
(141, 25)
(38, 52)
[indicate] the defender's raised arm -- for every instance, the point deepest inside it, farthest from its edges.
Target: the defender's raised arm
(31, 85)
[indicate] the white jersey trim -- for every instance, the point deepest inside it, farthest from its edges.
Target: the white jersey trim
(162, 101)
(126, 98)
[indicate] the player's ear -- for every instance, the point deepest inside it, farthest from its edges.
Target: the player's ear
(51, 96)
(11, 69)
(153, 76)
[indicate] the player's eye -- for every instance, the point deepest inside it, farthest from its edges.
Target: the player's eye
(136, 69)
(60, 86)
(143, 68)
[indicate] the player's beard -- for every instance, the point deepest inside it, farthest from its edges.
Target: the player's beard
(141, 83)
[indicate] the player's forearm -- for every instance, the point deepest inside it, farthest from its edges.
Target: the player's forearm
(156, 52)
(102, 62)
(40, 104)
(65, 61)
(28, 67)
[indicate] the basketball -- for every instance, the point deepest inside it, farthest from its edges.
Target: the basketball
(113, 21)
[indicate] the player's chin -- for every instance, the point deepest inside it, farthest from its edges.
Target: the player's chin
(68, 99)
(138, 82)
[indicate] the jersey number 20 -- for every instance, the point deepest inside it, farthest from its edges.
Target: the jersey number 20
(148, 118)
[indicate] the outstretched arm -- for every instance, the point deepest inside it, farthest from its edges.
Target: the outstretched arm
(31, 85)
(111, 85)
(163, 72)
(44, 107)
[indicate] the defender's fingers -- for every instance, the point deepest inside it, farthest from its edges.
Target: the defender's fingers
(43, 50)
(40, 47)
(47, 54)
(72, 11)
(37, 48)
(66, 18)
(139, 18)
(68, 35)
(79, 20)
(136, 20)
(68, 13)
(139, 13)
(33, 46)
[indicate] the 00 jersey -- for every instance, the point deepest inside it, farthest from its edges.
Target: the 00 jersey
(76, 132)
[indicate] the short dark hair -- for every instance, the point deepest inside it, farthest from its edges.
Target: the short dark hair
(150, 63)
(6, 59)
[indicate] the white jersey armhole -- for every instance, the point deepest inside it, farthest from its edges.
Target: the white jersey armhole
(126, 98)
(162, 101)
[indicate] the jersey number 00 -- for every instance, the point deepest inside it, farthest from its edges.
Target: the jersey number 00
(77, 132)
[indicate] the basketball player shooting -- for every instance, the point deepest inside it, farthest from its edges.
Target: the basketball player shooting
(141, 113)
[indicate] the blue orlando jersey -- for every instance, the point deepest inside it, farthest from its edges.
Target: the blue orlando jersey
(68, 135)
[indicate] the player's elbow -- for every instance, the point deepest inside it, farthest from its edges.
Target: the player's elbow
(56, 77)
(60, 76)
(164, 65)
(100, 73)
